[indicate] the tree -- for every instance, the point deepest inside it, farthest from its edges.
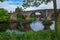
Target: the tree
(3, 15)
(18, 9)
(56, 19)
(47, 23)
(1, 0)
(36, 3)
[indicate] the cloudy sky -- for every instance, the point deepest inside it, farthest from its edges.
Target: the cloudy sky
(12, 4)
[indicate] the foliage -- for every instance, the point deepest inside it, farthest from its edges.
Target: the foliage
(47, 22)
(53, 17)
(34, 2)
(25, 5)
(21, 17)
(3, 27)
(1, 0)
(32, 17)
(18, 9)
(31, 35)
(4, 16)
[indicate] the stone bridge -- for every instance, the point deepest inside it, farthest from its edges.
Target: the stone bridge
(44, 13)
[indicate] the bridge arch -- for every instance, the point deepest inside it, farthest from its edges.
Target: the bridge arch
(20, 17)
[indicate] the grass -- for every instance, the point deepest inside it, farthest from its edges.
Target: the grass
(31, 35)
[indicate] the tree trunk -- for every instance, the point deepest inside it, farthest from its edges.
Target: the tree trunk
(55, 13)
(47, 27)
(56, 18)
(27, 27)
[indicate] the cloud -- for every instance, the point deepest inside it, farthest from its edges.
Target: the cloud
(42, 6)
(6, 5)
(12, 4)
(58, 4)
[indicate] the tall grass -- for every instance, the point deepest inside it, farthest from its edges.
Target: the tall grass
(40, 35)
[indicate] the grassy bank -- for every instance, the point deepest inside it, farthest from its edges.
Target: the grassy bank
(40, 35)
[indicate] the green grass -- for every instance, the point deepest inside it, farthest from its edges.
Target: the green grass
(31, 35)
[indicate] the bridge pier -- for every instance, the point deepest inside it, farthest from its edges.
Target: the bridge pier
(13, 21)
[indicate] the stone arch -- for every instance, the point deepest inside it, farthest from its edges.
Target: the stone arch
(32, 16)
(42, 14)
(20, 16)
(33, 13)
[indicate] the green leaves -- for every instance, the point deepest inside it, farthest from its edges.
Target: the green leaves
(36, 3)
(3, 15)
(47, 22)
(46, 1)
(18, 9)
(21, 17)
(25, 5)
(1, 0)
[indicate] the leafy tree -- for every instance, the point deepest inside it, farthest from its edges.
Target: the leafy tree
(3, 15)
(47, 23)
(18, 9)
(1, 0)
(36, 3)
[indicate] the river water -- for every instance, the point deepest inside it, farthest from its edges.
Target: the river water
(37, 25)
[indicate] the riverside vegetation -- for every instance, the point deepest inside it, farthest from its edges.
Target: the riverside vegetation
(31, 35)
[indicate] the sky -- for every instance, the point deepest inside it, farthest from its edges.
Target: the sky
(12, 4)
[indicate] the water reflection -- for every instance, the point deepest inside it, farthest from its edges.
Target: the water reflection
(37, 25)
(52, 27)
(15, 31)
